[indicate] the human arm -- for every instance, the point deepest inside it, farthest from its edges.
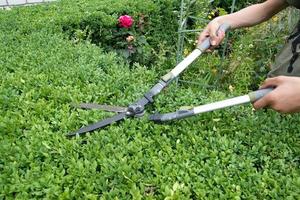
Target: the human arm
(246, 17)
(285, 98)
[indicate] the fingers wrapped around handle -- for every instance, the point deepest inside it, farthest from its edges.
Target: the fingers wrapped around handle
(256, 95)
(206, 43)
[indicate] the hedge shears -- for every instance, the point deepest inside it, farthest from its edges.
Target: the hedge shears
(137, 109)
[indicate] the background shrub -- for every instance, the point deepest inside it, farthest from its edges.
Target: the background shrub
(226, 4)
(93, 21)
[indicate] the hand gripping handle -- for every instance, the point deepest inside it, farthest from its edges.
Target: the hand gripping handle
(206, 43)
(256, 95)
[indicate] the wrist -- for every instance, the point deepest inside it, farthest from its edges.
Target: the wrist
(225, 19)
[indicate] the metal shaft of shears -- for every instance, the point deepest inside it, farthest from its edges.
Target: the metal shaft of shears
(251, 97)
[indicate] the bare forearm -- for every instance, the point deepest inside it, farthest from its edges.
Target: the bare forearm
(254, 14)
(246, 17)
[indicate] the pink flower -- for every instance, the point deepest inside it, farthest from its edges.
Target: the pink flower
(125, 21)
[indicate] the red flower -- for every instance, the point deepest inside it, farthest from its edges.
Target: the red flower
(125, 21)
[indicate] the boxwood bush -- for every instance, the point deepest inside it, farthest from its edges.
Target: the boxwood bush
(154, 28)
(228, 154)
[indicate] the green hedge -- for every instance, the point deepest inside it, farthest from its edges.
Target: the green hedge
(229, 154)
(94, 21)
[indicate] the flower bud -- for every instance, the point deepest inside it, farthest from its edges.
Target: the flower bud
(130, 38)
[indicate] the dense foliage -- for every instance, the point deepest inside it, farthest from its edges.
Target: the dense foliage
(227, 4)
(55, 55)
(154, 28)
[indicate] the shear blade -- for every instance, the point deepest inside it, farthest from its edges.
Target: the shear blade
(117, 109)
(99, 124)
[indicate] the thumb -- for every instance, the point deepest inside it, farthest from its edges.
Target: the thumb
(272, 82)
(204, 34)
(213, 29)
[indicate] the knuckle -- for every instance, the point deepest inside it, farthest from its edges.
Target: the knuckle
(279, 108)
(266, 81)
(256, 106)
(280, 78)
(271, 98)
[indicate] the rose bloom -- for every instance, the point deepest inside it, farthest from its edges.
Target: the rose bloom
(125, 21)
